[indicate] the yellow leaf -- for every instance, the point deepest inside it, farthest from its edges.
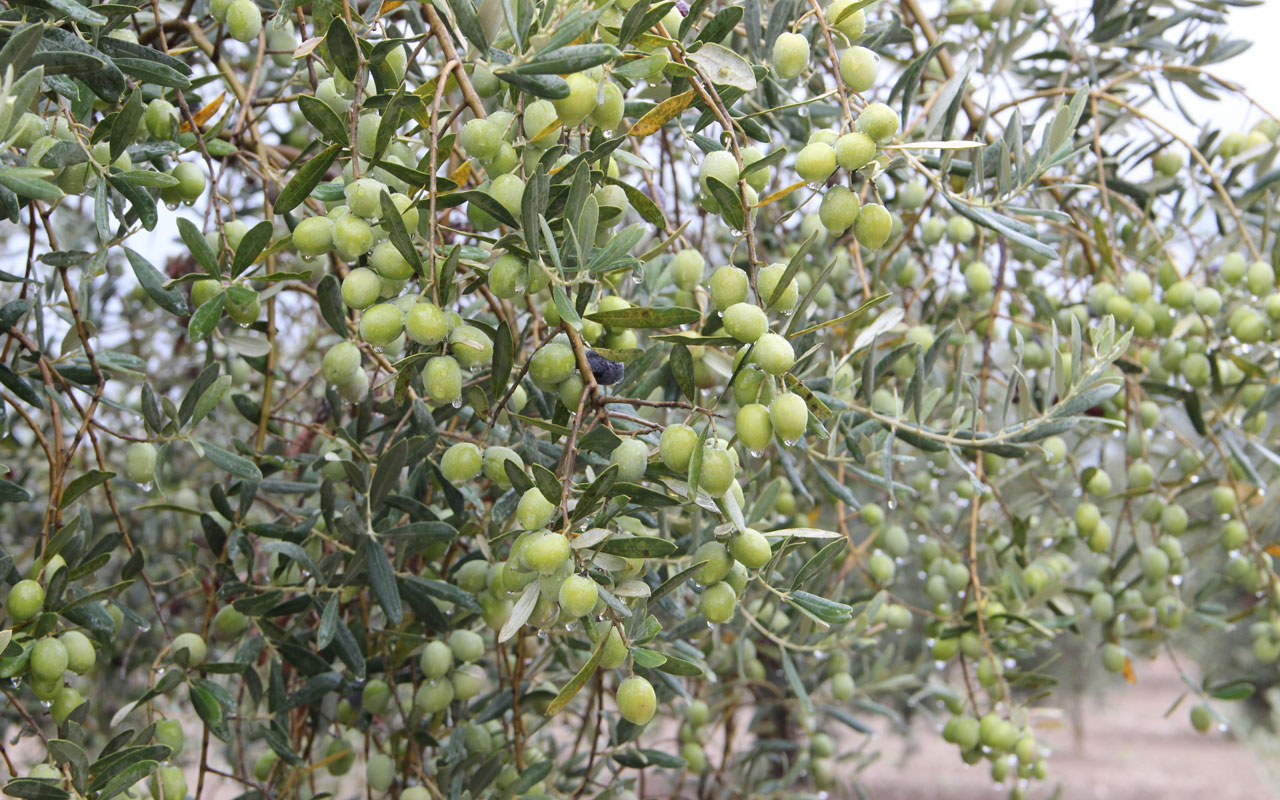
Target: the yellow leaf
(1272, 549)
(781, 193)
(388, 6)
(202, 116)
(661, 114)
(651, 41)
(1129, 673)
(547, 131)
(816, 407)
(459, 176)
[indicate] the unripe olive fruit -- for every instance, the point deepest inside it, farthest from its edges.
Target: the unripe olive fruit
(284, 42)
(632, 458)
(480, 138)
(343, 755)
(714, 563)
(881, 567)
(380, 772)
(998, 734)
(815, 162)
(1208, 301)
(376, 696)
(381, 324)
(578, 595)
(750, 548)
(608, 112)
(191, 181)
(636, 700)
(910, 196)
(192, 645)
(468, 681)
(873, 226)
(774, 355)
(842, 686)
(790, 55)
(387, 261)
(1167, 162)
(1201, 718)
(509, 191)
(547, 552)
(1113, 657)
(313, 236)
(718, 472)
(675, 447)
(436, 659)
(728, 286)
(80, 653)
(263, 765)
(169, 783)
(443, 379)
(160, 119)
(507, 276)
(839, 209)
(932, 230)
(24, 601)
(461, 462)
(48, 660)
(494, 459)
(244, 20)
(534, 510)
(757, 179)
(721, 165)
(466, 645)
(426, 323)
(244, 313)
(45, 690)
(552, 364)
(850, 23)
(878, 121)
(745, 322)
(1173, 519)
(340, 363)
(718, 602)
(858, 66)
(755, 427)
(1099, 484)
(364, 197)
(538, 116)
(170, 734)
(615, 650)
(1140, 475)
(572, 110)
(1260, 278)
(687, 269)
(361, 287)
(140, 462)
(352, 237)
(962, 731)
(434, 695)
(789, 415)
(470, 346)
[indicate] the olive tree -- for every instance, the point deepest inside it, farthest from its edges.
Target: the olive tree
(620, 398)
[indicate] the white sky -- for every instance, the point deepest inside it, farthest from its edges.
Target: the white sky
(1255, 69)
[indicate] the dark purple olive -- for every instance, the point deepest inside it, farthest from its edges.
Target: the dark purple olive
(605, 371)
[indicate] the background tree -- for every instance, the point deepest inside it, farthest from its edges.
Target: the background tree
(617, 398)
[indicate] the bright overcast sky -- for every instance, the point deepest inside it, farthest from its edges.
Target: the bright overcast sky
(1255, 69)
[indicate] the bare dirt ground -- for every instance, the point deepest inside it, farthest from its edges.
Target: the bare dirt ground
(1131, 751)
